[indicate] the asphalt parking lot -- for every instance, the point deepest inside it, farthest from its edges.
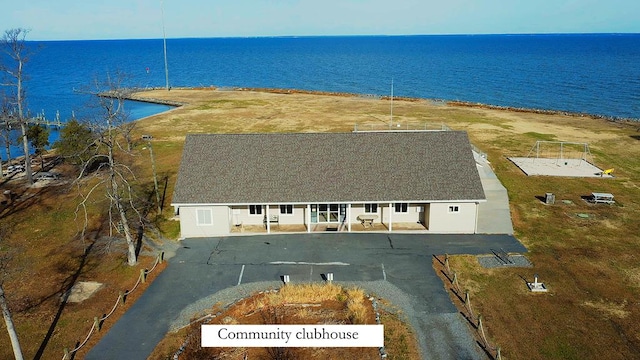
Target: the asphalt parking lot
(397, 266)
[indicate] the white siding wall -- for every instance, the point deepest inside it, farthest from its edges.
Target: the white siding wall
(412, 214)
(443, 221)
(437, 216)
(358, 209)
(240, 215)
(298, 216)
(189, 227)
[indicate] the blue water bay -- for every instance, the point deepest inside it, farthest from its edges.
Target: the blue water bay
(584, 73)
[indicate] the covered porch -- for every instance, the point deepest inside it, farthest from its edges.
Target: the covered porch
(318, 228)
(321, 217)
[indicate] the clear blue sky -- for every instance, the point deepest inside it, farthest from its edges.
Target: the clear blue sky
(124, 19)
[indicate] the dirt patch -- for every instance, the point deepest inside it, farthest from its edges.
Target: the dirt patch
(83, 290)
(609, 309)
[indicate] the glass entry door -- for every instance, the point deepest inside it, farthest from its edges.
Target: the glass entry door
(327, 213)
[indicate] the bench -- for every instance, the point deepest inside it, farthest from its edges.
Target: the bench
(602, 198)
(367, 219)
(272, 219)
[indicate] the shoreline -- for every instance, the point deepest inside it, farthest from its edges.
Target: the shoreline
(136, 97)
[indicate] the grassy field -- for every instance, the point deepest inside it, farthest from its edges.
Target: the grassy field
(591, 266)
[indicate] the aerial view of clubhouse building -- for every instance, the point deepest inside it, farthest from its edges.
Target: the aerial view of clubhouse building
(418, 181)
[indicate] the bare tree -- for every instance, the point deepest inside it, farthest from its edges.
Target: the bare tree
(15, 343)
(112, 170)
(127, 130)
(6, 313)
(14, 46)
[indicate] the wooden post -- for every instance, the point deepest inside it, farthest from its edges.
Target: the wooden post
(467, 302)
(121, 295)
(143, 275)
(481, 329)
(96, 323)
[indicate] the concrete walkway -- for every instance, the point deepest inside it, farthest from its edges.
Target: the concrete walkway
(394, 266)
(494, 216)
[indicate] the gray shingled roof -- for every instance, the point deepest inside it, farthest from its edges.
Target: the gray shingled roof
(327, 167)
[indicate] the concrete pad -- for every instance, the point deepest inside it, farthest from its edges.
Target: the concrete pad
(494, 215)
(83, 290)
(558, 167)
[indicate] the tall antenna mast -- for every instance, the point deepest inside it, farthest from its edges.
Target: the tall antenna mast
(164, 39)
(391, 102)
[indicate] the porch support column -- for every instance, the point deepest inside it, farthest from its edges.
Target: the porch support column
(349, 217)
(475, 228)
(308, 218)
(267, 218)
(390, 216)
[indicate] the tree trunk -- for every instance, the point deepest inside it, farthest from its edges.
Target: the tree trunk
(7, 144)
(25, 147)
(15, 344)
(23, 122)
(131, 246)
(131, 253)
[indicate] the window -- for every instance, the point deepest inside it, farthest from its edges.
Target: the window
(204, 217)
(370, 208)
(402, 207)
(330, 212)
(255, 209)
(286, 209)
(454, 209)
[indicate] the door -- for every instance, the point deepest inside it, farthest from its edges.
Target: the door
(328, 213)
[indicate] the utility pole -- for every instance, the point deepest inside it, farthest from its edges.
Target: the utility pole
(164, 40)
(155, 178)
(391, 123)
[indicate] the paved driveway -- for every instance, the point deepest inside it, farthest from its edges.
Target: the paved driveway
(494, 216)
(202, 267)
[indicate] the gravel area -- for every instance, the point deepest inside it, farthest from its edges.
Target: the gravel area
(492, 261)
(224, 297)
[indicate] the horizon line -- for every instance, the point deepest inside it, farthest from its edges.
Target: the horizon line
(341, 35)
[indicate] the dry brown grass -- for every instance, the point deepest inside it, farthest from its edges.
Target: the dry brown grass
(609, 309)
(307, 293)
